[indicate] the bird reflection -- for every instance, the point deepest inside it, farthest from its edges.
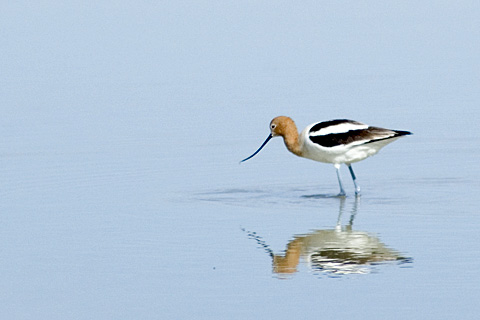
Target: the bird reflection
(333, 252)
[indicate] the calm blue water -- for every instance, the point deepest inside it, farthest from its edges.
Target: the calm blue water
(122, 126)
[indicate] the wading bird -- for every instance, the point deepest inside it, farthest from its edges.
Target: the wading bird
(335, 141)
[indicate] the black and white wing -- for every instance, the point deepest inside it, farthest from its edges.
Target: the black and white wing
(345, 132)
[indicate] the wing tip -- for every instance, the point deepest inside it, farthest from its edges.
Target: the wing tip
(400, 133)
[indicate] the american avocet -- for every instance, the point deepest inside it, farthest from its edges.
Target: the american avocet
(334, 141)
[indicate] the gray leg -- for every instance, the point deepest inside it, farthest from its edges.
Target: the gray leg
(354, 178)
(342, 192)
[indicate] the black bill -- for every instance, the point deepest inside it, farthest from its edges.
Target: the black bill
(263, 145)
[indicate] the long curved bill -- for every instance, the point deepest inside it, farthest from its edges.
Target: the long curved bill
(263, 145)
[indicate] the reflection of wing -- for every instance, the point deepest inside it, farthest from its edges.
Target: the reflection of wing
(337, 252)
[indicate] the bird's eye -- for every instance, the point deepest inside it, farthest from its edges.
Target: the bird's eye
(273, 126)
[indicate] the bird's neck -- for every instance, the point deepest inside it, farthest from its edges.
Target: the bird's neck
(292, 142)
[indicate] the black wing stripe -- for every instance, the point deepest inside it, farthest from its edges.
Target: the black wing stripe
(331, 123)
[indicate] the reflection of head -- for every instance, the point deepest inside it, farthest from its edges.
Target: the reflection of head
(289, 262)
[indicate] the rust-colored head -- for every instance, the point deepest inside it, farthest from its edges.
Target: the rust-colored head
(283, 126)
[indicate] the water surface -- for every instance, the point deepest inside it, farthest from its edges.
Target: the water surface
(121, 131)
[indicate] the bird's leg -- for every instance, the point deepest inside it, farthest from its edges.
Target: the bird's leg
(354, 178)
(342, 192)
